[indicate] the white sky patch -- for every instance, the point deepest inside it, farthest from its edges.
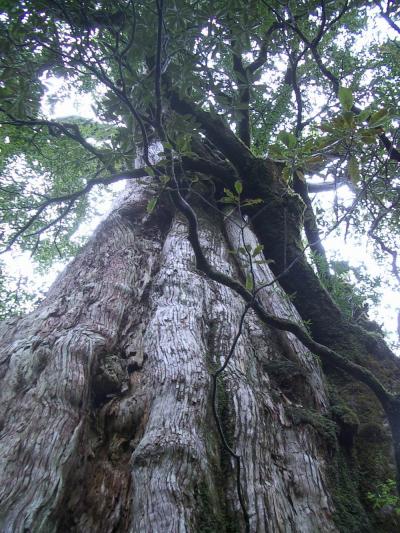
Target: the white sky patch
(58, 103)
(62, 100)
(358, 251)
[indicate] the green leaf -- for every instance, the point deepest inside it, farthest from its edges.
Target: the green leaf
(6, 92)
(324, 142)
(238, 187)
(257, 250)
(277, 153)
(378, 119)
(149, 171)
(326, 126)
(364, 115)
(368, 135)
(164, 179)
(252, 201)
(249, 282)
(151, 204)
(339, 123)
(348, 117)
(288, 139)
(227, 200)
(346, 98)
(314, 160)
(287, 174)
(353, 169)
(229, 194)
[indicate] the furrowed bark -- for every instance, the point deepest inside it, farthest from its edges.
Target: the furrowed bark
(389, 402)
(278, 229)
(277, 225)
(106, 415)
(51, 361)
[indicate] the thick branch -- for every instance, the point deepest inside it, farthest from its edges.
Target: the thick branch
(311, 228)
(323, 187)
(328, 355)
(264, 49)
(217, 131)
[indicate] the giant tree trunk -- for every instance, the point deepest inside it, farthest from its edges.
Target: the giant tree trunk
(106, 418)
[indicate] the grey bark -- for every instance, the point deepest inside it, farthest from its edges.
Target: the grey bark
(106, 423)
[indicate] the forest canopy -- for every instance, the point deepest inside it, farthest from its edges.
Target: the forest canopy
(312, 86)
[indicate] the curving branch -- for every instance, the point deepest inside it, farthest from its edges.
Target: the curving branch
(316, 188)
(216, 129)
(264, 49)
(70, 199)
(389, 402)
(392, 151)
(386, 15)
(204, 166)
(328, 355)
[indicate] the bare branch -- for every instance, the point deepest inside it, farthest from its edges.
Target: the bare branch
(71, 131)
(385, 15)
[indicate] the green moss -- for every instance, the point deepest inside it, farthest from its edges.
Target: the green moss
(373, 448)
(209, 516)
(214, 512)
(363, 460)
(347, 421)
(371, 432)
(350, 516)
(386, 503)
(345, 415)
(323, 425)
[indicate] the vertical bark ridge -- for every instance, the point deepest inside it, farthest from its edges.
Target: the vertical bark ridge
(283, 472)
(48, 361)
(171, 457)
(107, 423)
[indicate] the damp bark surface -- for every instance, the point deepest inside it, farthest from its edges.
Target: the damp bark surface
(106, 422)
